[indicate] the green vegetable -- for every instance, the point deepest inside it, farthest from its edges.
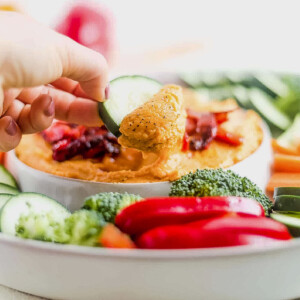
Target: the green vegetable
(210, 182)
(126, 94)
(83, 227)
(287, 203)
(290, 138)
(288, 190)
(290, 104)
(291, 220)
(109, 204)
(42, 227)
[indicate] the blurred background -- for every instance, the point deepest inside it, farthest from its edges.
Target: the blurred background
(193, 34)
(220, 48)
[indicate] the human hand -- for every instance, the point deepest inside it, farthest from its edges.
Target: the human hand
(44, 75)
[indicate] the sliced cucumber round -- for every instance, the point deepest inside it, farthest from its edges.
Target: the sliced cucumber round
(290, 137)
(6, 177)
(287, 203)
(263, 104)
(3, 199)
(279, 191)
(126, 94)
(26, 203)
(291, 221)
(8, 189)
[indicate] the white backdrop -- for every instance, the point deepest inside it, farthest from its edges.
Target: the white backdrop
(232, 34)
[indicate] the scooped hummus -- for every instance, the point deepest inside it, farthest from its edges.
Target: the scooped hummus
(142, 156)
(157, 125)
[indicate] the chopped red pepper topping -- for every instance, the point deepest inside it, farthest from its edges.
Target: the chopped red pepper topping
(202, 128)
(69, 140)
(228, 137)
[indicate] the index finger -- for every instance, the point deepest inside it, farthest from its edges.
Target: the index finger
(86, 66)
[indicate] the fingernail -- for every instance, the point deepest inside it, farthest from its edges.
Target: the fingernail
(50, 110)
(11, 128)
(107, 90)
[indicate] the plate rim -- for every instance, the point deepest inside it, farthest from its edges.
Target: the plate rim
(167, 254)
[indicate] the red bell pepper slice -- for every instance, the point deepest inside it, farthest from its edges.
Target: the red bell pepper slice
(217, 232)
(153, 212)
(228, 137)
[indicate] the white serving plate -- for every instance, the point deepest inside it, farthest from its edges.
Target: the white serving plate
(71, 192)
(81, 273)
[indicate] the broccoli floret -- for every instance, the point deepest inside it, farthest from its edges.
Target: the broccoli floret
(83, 227)
(43, 227)
(210, 182)
(109, 204)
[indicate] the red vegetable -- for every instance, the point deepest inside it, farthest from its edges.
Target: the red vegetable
(153, 212)
(90, 25)
(185, 142)
(228, 137)
(69, 140)
(201, 129)
(223, 231)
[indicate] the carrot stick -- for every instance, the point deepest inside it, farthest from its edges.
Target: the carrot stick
(283, 179)
(286, 163)
(277, 148)
(1, 157)
(112, 237)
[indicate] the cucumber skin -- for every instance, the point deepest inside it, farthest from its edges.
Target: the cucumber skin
(110, 124)
(280, 191)
(6, 199)
(12, 180)
(287, 203)
(8, 189)
(107, 120)
(29, 194)
(294, 230)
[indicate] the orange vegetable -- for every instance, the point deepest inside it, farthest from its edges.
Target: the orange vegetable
(283, 179)
(1, 157)
(112, 237)
(286, 163)
(277, 148)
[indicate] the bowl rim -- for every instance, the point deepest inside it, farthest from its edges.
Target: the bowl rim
(266, 133)
(18, 161)
(165, 254)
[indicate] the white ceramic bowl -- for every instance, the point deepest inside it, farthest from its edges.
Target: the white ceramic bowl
(71, 192)
(81, 273)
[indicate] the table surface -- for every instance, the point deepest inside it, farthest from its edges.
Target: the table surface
(10, 294)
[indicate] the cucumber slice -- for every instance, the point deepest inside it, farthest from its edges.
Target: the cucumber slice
(272, 84)
(126, 94)
(278, 191)
(6, 177)
(287, 203)
(291, 137)
(263, 104)
(3, 199)
(24, 204)
(291, 221)
(8, 189)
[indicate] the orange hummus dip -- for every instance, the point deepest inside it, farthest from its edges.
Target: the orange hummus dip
(160, 157)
